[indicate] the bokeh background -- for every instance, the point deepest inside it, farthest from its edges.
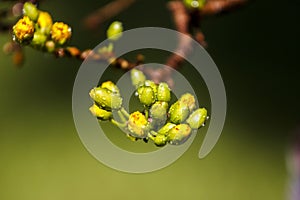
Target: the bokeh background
(256, 50)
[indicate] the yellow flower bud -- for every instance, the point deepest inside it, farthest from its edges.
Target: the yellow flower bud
(111, 87)
(158, 111)
(179, 134)
(194, 4)
(166, 128)
(152, 85)
(197, 118)
(60, 32)
(23, 30)
(100, 113)
(114, 31)
(159, 140)
(44, 22)
(137, 125)
(163, 92)
(189, 100)
(146, 95)
(137, 77)
(106, 99)
(178, 112)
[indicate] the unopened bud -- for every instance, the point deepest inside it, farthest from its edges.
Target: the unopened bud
(179, 134)
(137, 77)
(106, 99)
(146, 95)
(31, 11)
(197, 118)
(100, 113)
(163, 92)
(178, 112)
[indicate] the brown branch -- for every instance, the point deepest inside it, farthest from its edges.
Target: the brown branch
(182, 20)
(213, 7)
(110, 10)
(91, 55)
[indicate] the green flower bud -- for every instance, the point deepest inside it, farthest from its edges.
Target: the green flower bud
(163, 92)
(137, 77)
(146, 95)
(31, 11)
(197, 118)
(152, 85)
(179, 134)
(138, 125)
(38, 40)
(166, 128)
(158, 111)
(106, 99)
(159, 140)
(50, 46)
(100, 113)
(114, 31)
(194, 4)
(189, 100)
(178, 112)
(111, 87)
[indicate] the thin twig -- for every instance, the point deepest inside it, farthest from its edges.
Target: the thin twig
(213, 7)
(110, 10)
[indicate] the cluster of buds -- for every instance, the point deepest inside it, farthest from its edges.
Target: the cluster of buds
(194, 4)
(36, 28)
(158, 121)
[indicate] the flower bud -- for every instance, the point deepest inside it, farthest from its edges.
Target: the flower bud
(166, 128)
(179, 134)
(137, 77)
(158, 111)
(44, 22)
(106, 99)
(197, 118)
(100, 113)
(31, 11)
(146, 95)
(159, 140)
(152, 85)
(194, 4)
(163, 92)
(137, 125)
(111, 87)
(38, 40)
(23, 30)
(178, 112)
(189, 100)
(50, 46)
(60, 33)
(114, 31)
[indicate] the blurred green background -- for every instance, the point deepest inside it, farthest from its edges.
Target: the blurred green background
(256, 50)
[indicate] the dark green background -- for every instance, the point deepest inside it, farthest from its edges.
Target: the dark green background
(256, 50)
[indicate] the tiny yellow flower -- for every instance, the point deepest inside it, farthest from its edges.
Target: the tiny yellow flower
(23, 30)
(45, 22)
(137, 124)
(60, 33)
